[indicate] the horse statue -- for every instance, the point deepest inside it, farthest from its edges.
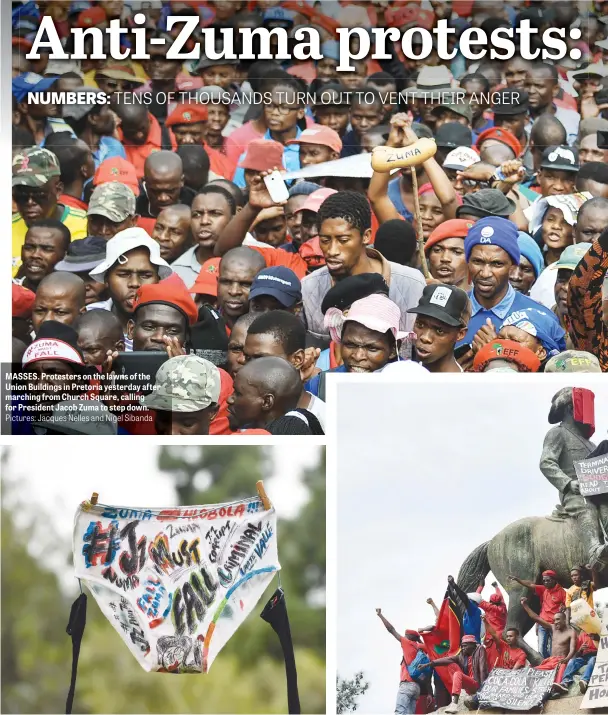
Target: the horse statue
(525, 549)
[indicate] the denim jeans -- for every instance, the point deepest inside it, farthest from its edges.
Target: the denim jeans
(545, 638)
(575, 665)
(406, 698)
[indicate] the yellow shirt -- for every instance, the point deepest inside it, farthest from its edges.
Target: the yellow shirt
(575, 592)
(74, 219)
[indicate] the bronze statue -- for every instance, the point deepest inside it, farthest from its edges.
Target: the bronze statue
(568, 442)
(571, 536)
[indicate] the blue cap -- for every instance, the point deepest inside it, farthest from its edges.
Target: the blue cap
(31, 82)
(278, 14)
(493, 231)
(529, 249)
(331, 49)
(279, 282)
(542, 325)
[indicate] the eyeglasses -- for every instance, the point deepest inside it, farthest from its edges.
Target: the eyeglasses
(283, 109)
(22, 194)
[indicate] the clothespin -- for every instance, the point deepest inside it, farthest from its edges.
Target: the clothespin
(263, 496)
(94, 498)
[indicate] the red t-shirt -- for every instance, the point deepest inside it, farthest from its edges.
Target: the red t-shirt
(585, 643)
(509, 657)
(410, 651)
(138, 153)
(551, 601)
(496, 615)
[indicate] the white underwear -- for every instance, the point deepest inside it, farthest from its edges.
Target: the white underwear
(176, 583)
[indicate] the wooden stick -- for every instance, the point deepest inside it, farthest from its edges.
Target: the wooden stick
(94, 498)
(263, 496)
(418, 225)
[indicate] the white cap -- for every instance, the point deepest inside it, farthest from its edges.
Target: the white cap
(128, 240)
(461, 158)
(407, 369)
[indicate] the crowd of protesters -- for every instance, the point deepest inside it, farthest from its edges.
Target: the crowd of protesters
(488, 642)
(146, 225)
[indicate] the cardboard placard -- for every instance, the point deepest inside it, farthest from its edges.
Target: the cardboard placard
(522, 689)
(592, 475)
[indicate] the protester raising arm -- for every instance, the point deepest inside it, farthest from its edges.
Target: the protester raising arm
(433, 605)
(495, 637)
(235, 232)
(402, 135)
(534, 616)
(387, 625)
(513, 171)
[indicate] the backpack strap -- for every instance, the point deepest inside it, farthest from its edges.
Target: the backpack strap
(75, 629)
(165, 138)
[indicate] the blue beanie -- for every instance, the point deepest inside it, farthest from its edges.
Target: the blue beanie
(493, 231)
(530, 250)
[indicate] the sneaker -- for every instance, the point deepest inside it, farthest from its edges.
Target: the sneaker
(452, 708)
(559, 688)
(583, 684)
(470, 703)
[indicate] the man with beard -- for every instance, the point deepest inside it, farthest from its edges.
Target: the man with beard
(140, 133)
(60, 297)
(46, 242)
(188, 122)
(491, 250)
(542, 86)
(444, 250)
(212, 210)
(111, 209)
(238, 268)
(161, 187)
(132, 260)
(345, 234)
(172, 231)
(588, 302)
(163, 314)
(36, 186)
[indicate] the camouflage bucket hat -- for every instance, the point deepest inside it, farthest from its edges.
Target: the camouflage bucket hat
(186, 383)
(34, 167)
(114, 200)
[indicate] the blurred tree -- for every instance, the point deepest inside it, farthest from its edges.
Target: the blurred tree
(348, 693)
(36, 652)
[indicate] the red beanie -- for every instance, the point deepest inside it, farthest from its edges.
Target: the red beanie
(454, 228)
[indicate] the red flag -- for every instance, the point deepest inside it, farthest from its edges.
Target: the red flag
(444, 640)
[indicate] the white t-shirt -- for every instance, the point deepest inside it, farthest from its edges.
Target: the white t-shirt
(543, 290)
(317, 407)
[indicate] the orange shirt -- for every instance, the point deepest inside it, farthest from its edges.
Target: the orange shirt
(138, 153)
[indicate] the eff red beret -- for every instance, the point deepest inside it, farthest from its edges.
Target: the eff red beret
(187, 114)
(500, 135)
(169, 292)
